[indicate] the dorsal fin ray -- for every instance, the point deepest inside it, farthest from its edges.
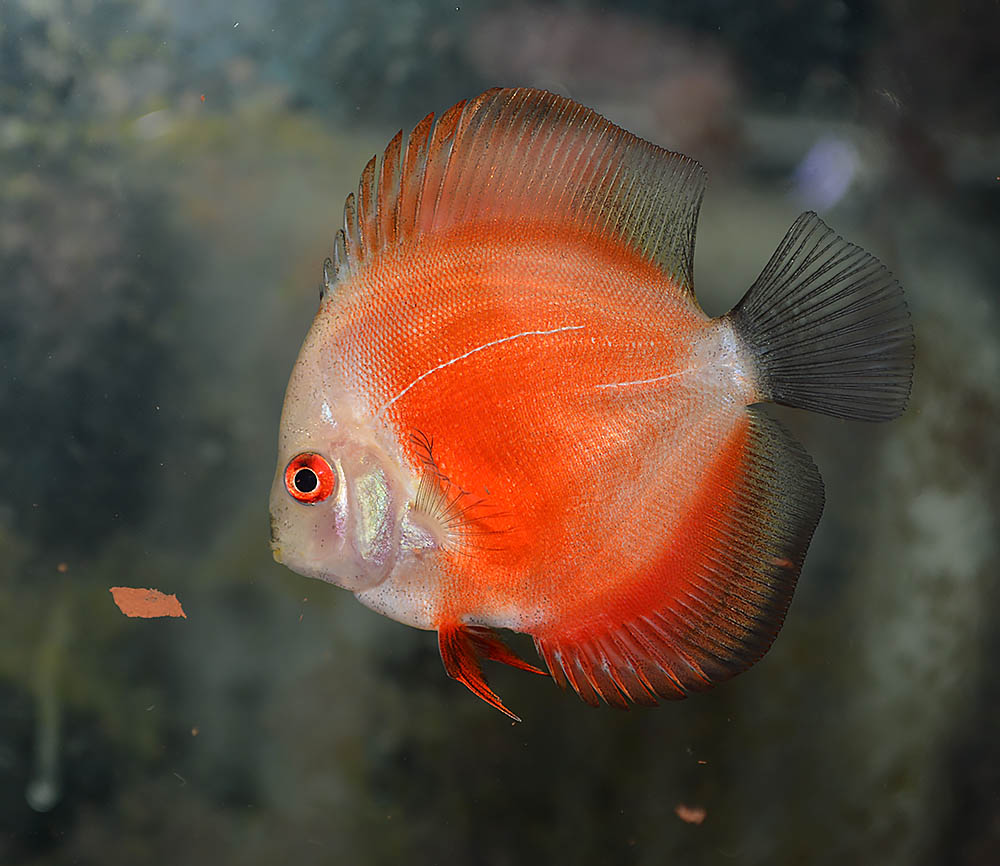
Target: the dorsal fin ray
(523, 154)
(388, 191)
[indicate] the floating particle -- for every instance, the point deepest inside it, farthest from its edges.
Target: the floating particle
(146, 603)
(690, 814)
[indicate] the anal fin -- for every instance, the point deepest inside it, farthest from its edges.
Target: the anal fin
(461, 649)
(714, 600)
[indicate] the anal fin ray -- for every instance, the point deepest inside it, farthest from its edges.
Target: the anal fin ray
(715, 600)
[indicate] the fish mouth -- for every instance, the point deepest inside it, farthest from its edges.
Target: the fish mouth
(275, 547)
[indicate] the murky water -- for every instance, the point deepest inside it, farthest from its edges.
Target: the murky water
(171, 175)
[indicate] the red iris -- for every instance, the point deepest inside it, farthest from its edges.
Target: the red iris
(309, 478)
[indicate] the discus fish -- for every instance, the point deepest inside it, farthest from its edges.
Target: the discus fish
(512, 413)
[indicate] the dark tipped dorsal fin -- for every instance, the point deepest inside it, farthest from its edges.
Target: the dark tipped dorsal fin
(524, 154)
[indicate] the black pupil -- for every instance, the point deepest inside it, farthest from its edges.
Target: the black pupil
(306, 480)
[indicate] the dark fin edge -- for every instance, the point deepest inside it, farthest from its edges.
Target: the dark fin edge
(828, 328)
(461, 649)
(744, 567)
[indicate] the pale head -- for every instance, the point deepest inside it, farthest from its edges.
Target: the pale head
(336, 504)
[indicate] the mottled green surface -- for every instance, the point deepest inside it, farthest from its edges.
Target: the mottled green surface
(159, 258)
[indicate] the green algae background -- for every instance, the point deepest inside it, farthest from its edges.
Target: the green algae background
(171, 175)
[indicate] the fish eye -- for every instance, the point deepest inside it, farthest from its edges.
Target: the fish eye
(309, 478)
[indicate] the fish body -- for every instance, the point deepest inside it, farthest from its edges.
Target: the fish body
(511, 412)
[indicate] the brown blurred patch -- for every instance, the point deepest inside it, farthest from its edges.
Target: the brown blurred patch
(665, 83)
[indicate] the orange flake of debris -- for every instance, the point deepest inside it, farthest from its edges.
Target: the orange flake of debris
(146, 603)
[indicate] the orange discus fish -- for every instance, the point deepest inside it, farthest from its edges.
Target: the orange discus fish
(512, 413)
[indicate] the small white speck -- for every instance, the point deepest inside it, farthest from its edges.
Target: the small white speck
(237, 24)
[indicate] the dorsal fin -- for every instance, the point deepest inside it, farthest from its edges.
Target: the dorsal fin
(521, 154)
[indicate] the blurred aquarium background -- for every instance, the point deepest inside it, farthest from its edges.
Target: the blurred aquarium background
(171, 175)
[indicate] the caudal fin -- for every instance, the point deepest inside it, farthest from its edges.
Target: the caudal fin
(827, 327)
